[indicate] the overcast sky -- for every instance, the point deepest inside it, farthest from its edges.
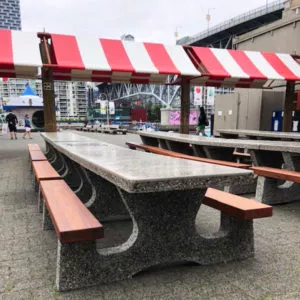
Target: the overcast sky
(147, 20)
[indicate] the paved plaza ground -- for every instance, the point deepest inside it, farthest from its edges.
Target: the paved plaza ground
(28, 254)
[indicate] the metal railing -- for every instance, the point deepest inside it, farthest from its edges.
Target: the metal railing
(252, 14)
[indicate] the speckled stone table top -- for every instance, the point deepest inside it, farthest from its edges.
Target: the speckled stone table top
(267, 134)
(283, 146)
(64, 136)
(136, 171)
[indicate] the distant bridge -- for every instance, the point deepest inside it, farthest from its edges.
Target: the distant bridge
(221, 35)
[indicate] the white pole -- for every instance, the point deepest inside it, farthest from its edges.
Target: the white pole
(107, 112)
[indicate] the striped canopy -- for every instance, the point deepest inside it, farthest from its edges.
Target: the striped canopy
(19, 54)
(105, 60)
(236, 68)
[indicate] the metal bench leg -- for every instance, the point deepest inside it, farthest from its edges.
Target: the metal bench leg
(47, 222)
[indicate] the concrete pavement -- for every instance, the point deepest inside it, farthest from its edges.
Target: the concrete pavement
(28, 254)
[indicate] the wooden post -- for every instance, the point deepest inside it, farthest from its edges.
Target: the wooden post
(185, 107)
(288, 106)
(48, 87)
(49, 101)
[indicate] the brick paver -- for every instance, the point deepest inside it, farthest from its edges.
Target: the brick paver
(28, 254)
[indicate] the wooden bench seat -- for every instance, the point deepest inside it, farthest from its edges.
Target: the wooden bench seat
(161, 151)
(281, 174)
(237, 206)
(34, 147)
(44, 171)
(37, 155)
(72, 221)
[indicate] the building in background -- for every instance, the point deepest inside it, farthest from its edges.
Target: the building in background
(127, 37)
(71, 97)
(10, 15)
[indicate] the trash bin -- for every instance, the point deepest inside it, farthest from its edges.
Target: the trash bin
(277, 117)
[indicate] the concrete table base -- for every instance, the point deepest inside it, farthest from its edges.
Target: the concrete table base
(274, 191)
(99, 195)
(164, 231)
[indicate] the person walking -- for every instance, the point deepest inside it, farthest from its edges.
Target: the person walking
(27, 127)
(202, 122)
(12, 122)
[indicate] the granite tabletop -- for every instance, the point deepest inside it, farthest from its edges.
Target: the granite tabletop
(271, 134)
(283, 146)
(136, 171)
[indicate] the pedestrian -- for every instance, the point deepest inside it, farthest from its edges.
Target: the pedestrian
(12, 122)
(27, 127)
(202, 122)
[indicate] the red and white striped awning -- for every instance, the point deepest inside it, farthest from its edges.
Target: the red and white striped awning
(106, 60)
(236, 68)
(19, 54)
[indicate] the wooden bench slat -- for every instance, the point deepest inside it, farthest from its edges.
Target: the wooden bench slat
(44, 171)
(37, 155)
(234, 205)
(72, 221)
(161, 151)
(281, 174)
(34, 147)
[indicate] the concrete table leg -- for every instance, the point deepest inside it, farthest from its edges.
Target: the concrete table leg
(274, 191)
(164, 232)
(105, 202)
(149, 141)
(178, 147)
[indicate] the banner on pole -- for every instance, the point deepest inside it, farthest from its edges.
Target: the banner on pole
(103, 107)
(111, 107)
(198, 95)
(210, 98)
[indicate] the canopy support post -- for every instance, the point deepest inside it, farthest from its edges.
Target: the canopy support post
(185, 107)
(288, 106)
(48, 87)
(49, 101)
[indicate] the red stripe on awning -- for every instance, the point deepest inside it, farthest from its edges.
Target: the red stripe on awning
(116, 56)
(66, 51)
(279, 66)
(210, 62)
(6, 50)
(161, 59)
(246, 64)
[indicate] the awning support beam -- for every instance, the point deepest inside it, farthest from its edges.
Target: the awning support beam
(185, 107)
(48, 88)
(288, 106)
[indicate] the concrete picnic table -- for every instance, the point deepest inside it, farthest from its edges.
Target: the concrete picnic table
(162, 196)
(276, 154)
(258, 135)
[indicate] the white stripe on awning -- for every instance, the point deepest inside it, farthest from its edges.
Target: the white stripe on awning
(229, 64)
(92, 53)
(290, 63)
(263, 65)
(139, 57)
(182, 61)
(26, 50)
